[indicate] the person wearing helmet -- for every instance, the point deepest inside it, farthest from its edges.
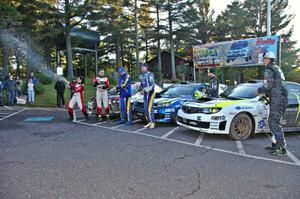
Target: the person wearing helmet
(147, 85)
(124, 87)
(102, 84)
(77, 98)
(213, 91)
(201, 92)
(274, 88)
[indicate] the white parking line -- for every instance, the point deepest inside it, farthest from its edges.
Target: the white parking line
(81, 120)
(114, 127)
(240, 147)
(139, 130)
(13, 114)
(199, 139)
(289, 154)
(170, 132)
(8, 108)
(192, 144)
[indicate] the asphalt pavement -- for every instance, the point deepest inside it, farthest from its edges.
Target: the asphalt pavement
(91, 159)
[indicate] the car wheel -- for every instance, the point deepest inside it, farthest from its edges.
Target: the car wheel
(241, 127)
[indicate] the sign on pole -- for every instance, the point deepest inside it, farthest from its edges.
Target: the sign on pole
(246, 52)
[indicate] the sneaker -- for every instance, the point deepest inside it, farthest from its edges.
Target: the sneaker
(280, 151)
(152, 125)
(147, 125)
(86, 116)
(273, 146)
(128, 123)
(121, 121)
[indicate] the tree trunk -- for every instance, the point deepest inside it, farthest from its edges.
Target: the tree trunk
(136, 39)
(172, 46)
(68, 39)
(5, 60)
(158, 45)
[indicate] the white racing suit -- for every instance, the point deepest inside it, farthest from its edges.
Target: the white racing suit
(77, 99)
(102, 84)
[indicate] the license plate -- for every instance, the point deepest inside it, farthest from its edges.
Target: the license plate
(193, 123)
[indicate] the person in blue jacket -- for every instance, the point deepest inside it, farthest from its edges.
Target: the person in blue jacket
(147, 86)
(124, 87)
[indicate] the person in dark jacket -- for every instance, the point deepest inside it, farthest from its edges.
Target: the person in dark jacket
(10, 86)
(60, 90)
(274, 88)
(213, 90)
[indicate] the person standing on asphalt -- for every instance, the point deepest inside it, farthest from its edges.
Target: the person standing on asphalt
(213, 91)
(19, 84)
(147, 86)
(102, 84)
(274, 88)
(125, 94)
(72, 85)
(1, 89)
(60, 91)
(30, 91)
(10, 86)
(77, 98)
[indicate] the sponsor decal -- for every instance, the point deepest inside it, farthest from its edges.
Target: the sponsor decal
(265, 41)
(218, 117)
(170, 110)
(199, 118)
(243, 107)
(262, 123)
(232, 113)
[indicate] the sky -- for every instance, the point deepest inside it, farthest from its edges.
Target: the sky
(220, 5)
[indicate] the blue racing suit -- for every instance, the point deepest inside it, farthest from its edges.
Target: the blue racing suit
(125, 93)
(148, 84)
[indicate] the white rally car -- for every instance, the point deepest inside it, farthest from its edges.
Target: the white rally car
(239, 113)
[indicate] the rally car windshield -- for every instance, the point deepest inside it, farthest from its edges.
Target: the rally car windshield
(177, 91)
(241, 92)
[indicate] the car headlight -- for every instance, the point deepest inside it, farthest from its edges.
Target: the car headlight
(211, 110)
(162, 105)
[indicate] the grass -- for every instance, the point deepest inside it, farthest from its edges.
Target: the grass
(48, 98)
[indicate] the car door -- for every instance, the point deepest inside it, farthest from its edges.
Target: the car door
(291, 117)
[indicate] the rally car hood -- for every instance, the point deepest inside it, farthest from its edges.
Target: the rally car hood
(220, 102)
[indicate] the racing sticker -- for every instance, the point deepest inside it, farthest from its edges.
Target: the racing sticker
(243, 107)
(262, 123)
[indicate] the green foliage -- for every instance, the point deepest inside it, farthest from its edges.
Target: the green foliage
(39, 89)
(43, 79)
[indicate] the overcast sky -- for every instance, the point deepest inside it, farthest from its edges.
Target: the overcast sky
(220, 5)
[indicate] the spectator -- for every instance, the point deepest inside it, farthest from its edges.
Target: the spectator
(7, 77)
(10, 86)
(60, 90)
(30, 90)
(1, 87)
(19, 84)
(34, 79)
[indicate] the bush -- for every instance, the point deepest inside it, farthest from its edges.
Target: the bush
(39, 89)
(44, 79)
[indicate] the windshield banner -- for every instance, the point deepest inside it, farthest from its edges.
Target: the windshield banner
(244, 52)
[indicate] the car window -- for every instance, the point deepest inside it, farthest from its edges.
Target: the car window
(238, 45)
(241, 91)
(293, 92)
(174, 91)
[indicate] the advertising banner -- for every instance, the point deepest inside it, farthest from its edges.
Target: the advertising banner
(246, 52)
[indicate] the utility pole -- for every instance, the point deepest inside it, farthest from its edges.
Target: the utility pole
(268, 18)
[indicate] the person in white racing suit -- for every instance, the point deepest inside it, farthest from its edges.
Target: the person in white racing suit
(102, 84)
(77, 98)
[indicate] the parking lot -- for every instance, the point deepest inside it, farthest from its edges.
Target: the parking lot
(58, 158)
(251, 148)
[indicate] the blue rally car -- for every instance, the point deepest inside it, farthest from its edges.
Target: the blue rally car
(168, 102)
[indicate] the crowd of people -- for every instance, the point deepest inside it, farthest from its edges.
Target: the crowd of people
(14, 88)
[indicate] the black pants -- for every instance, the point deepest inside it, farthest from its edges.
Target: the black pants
(60, 99)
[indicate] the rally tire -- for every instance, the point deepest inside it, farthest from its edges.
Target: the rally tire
(241, 127)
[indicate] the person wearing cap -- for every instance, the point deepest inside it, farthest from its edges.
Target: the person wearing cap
(201, 93)
(147, 86)
(124, 87)
(213, 90)
(274, 88)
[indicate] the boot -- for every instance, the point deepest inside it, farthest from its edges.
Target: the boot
(273, 146)
(100, 118)
(280, 151)
(86, 115)
(71, 117)
(107, 118)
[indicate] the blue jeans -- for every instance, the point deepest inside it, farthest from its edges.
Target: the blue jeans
(19, 93)
(10, 98)
(31, 96)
